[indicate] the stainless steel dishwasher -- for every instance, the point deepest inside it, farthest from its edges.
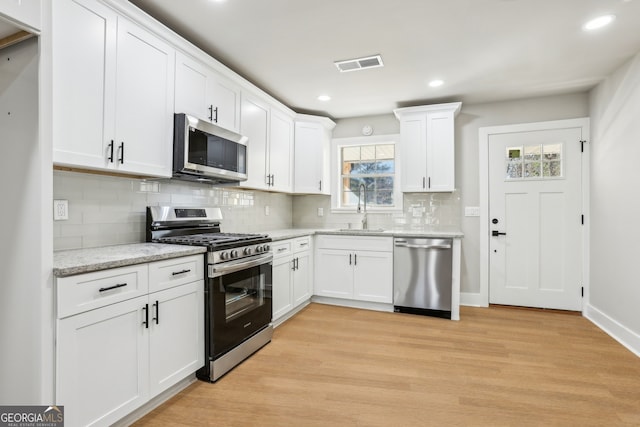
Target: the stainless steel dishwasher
(422, 276)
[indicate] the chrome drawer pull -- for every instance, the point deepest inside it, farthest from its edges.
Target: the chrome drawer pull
(119, 285)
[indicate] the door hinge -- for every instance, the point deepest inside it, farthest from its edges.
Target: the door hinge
(582, 219)
(582, 142)
(582, 291)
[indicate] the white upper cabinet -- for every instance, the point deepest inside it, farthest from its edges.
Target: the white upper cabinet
(311, 154)
(428, 147)
(203, 93)
(112, 92)
(270, 145)
(22, 12)
(280, 151)
(255, 126)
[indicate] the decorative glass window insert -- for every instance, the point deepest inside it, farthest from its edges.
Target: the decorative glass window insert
(371, 165)
(542, 161)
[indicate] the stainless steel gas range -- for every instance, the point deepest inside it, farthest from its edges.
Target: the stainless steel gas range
(238, 286)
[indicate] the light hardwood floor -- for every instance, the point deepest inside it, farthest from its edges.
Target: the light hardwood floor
(498, 366)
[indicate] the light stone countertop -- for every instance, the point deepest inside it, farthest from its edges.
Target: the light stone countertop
(78, 261)
(292, 233)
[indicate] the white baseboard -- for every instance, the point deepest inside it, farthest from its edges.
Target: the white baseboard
(155, 402)
(290, 314)
(616, 330)
(471, 299)
(377, 306)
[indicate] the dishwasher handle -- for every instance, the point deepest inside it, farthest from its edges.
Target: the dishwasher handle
(404, 244)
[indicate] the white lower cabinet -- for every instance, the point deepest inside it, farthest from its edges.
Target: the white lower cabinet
(114, 358)
(291, 275)
(354, 268)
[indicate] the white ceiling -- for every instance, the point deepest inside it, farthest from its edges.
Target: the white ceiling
(484, 50)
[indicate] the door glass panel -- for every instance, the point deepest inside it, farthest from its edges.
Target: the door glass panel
(533, 162)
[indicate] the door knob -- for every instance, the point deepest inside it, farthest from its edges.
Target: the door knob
(496, 233)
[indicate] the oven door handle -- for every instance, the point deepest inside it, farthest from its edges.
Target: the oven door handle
(237, 266)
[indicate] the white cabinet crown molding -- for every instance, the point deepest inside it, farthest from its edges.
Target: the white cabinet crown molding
(422, 109)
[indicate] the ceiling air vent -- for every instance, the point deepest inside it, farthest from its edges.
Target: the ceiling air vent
(359, 63)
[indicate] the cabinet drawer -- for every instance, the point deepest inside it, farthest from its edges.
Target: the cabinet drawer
(84, 292)
(281, 248)
(355, 243)
(176, 271)
(302, 244)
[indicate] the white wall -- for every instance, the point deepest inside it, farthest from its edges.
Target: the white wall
(468, 123)
(615, 204)
(20, 228)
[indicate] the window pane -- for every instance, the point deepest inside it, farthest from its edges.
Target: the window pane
(382, 198)
(532, 153)
(514, 169)
(552, 169)
(514, 153)
(532, 170)
(384, 183)
(384, 152)
(364, 168)
(368, 152)
(552, 151)
(349, 198)
(386, 166)
(351, 153)
(351, 184)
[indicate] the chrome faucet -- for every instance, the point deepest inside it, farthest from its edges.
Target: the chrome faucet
(363, 190)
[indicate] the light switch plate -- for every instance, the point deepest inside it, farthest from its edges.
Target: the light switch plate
(60, 210)
(471, 211)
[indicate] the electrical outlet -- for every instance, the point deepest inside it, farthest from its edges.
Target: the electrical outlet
(471, 211)
(60, 210)
(320, 211)
(267, 211)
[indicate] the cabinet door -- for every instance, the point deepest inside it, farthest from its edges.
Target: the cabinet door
(176, 338)
(334, 274)
(224, 99)
(23, 11)
(192, 82)
(254, 125)
(440, 151)
(144, 108)
(414, 154)
(373, 277)
(302, 278)
(309, 159)
(280, 151)
(83, 82)
(102, 363)
(282, 298)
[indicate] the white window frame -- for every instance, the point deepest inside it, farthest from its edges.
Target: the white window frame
(337, 144)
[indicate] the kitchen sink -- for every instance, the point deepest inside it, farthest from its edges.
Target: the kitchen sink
(360, 230)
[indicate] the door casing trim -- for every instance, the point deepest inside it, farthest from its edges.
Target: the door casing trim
(484, 135)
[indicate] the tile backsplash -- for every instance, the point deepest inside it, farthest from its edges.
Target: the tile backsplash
(421, 211)
(108, 210)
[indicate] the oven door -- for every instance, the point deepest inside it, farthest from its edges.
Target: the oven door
(239, 302)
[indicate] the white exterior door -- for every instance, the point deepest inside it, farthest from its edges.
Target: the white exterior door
(535, 199)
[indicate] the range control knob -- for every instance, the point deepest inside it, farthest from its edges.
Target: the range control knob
(224, 255)
(234, 254)
(259, 249)
(266, 248)
(247, 251)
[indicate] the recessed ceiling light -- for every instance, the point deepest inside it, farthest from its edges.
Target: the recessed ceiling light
(436, 83)
(599, 22)
(324, 98)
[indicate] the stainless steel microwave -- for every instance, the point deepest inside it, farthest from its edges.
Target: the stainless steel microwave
(206, 152)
